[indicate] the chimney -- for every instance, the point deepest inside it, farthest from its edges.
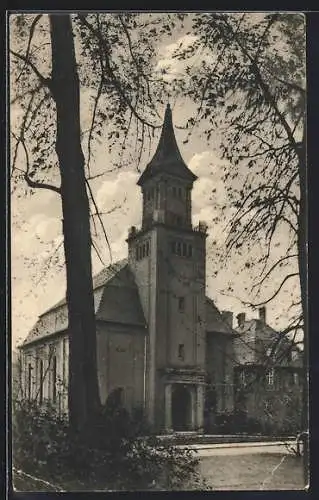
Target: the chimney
(262, 314)
(228, 317)
(241, 319)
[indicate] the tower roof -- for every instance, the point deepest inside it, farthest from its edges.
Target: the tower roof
(167, 157)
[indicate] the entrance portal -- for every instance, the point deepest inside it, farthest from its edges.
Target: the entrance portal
(181, 408)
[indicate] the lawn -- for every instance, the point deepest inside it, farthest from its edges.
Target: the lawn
(253, 472)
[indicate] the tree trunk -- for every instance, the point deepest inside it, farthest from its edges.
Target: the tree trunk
(83, 383)
(303, 273)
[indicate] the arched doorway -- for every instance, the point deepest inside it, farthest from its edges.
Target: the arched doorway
(181, 408)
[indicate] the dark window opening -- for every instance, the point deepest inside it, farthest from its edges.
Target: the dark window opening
(41, 382)
(136, 253)
(184, 250)
(144, 250)
(181, 351)
(181, 303)
(54, 380)
(64, 365)
(174, 191)
(147, 248)
(178, 220)
(179, 248)
(179, 192)
(190, 251)
(29, 381)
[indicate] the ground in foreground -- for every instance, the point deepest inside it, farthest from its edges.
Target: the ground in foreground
(253, 472)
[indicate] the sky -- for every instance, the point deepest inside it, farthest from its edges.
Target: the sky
(38, 277)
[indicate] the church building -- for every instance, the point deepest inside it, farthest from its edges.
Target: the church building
(162, 345)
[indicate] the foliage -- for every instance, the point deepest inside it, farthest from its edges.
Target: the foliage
(249, 87)
(112, 454)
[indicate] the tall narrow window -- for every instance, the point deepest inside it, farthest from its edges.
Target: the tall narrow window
(179, 192)
(64, 363)
(179, 248)
(29, 381)
(243, 377)
(190, 250)
(147, 248)
(184, 250)
(41, 381)
(174, 191)
(181, 303)
(270, 377)
(54, 379)
(181, 352)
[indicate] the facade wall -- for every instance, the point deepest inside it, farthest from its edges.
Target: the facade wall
(275, 403)
(219, 366)
(48, 382)
(120, 361)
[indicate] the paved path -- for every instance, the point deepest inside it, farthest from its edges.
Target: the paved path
(218, 449)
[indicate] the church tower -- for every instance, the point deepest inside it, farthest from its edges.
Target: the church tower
(167, 256)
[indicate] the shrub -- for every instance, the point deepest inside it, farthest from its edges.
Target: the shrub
(112, 454)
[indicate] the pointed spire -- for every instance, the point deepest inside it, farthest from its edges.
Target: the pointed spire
(167, 147)
(167, 156)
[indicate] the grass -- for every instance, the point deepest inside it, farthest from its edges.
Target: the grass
(253, 472)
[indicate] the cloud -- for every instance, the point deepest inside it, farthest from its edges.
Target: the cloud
(174, 59)
(168, 65)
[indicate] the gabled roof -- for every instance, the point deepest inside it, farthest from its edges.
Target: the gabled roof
(167, 157)
(120, 302)
(214, 320)
(115, 299)
(100, 279)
